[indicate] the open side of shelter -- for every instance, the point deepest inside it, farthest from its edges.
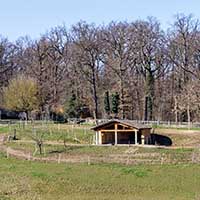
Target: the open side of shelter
(122, 132)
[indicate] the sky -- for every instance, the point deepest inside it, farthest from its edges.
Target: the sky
(35, 17)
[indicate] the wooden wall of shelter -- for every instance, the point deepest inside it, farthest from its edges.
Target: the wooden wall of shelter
(121, 132)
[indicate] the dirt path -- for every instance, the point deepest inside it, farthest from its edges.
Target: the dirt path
(48, 143)
(128, 158)
(122, 145)
(131, 156)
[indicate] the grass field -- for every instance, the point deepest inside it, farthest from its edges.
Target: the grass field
(34, 180)
(22, 180)
(82, 133)
(50, 131)
(176, 127)
(53, 136)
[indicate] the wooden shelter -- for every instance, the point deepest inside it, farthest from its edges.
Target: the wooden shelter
(122, 132)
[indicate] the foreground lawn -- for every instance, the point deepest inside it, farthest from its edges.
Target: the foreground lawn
(33, 180)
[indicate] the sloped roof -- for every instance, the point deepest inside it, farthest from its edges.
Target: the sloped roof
(125, 122)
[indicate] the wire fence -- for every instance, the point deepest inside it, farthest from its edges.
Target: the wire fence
(127, 159)
(168, 124)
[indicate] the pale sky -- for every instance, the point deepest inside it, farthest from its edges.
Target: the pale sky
(34, 17)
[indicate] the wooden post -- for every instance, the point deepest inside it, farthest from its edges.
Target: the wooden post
(88, 161)
(143, 139)
(115, 134)
(29, 156)
(100, 138)
(59, 127)
(96, 138)
(136, 132)
(7, 153)
(9, 126)
(59, 158)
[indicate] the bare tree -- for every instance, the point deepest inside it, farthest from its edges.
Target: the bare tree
(188, 100)
(86, 56)
(8, 66)
(151, 59)
(119, 55)
(154, 72)
(38, 138)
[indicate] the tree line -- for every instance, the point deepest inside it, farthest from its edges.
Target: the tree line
(128, 70)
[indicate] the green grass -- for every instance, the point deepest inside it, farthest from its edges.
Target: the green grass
(74, 150)
(175, 127)
(4, 129)
(115, 154)
(51, 131)
(104, 150)
(83, 134)
(22, 180)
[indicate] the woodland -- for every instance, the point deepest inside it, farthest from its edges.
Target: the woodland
(129, 70)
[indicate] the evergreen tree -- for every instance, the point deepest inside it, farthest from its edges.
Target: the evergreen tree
(71, 107)
(107, 103)
(115, 103)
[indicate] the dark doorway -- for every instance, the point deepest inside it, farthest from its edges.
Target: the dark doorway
(126, 138)
(108, 138)
(162, 140)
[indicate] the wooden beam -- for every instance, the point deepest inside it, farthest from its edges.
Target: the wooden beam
(124, 125)
(103, 130)
(115, 134)
(108, 125)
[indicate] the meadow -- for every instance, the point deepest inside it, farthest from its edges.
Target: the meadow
(113, 172)
(50, 131)
(22, 180)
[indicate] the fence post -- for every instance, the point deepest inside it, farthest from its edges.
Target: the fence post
(162, 159)
(7, 152)
(59, 158)
(29, 156)
(89, 160)
(58, 126)
(127, 161)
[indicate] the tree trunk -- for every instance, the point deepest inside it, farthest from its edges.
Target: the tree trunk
(40, 148)
(122, 98)
(148, 113)
(146, 108)
(176, 110)
(188, 115)
(95, 98)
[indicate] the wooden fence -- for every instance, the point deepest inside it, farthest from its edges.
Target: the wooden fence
(168, 124)
(127, 158)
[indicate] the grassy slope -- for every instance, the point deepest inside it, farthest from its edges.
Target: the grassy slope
(28, 180)
(181, 137)
(52, 132)
(56, 132)
(98, 150)
(176, 127)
